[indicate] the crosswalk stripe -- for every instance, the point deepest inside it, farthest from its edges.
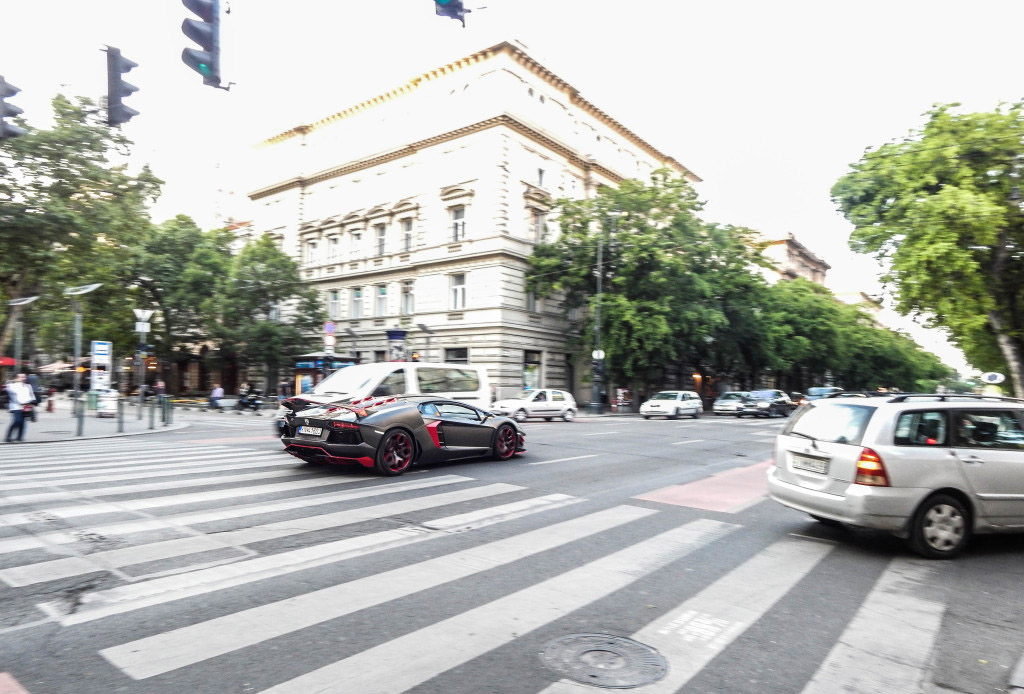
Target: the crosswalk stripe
(79, 510)
(680, 443)
(155, 592)
(250, 460)
(115, 457)
(863, 661)
(156, 486)
(188, 645)
(690, 635)
(563, 460)
(181, 522)
(414, 658)
(167, 549)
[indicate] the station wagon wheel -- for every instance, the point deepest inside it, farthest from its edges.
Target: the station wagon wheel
(520, 415)
(395, 453)
(941, 527)
(504, 442)
(569, 415)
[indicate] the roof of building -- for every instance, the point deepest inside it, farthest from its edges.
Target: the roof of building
(522, 58)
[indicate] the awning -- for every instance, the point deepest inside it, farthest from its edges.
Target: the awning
(6, 361)
(55, 368)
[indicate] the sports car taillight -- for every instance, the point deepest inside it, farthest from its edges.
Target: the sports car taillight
(344, 425)
(871, 469)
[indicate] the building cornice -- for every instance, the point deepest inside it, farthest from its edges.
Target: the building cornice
(503, 120)
(520, 57)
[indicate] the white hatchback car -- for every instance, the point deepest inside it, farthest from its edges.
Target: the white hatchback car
(545, 402)
(932, 469)
(672, 404)
(729, 402)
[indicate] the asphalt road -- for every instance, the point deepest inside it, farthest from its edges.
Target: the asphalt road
(205, 560)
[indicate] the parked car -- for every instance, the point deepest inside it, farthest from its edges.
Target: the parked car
(672, 404)
(391, 434)
(729, 402)
(817, 393)
(766, 403)
(545, 402)
(463, 382)
(932, 469)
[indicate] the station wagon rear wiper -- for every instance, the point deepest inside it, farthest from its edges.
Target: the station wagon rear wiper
(814, 441)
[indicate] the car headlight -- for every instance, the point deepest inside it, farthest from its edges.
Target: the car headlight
(764, 405)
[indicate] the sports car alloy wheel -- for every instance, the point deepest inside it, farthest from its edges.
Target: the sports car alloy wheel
(395, 453)
(504, 442)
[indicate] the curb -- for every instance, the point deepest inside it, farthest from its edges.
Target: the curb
(72, 439)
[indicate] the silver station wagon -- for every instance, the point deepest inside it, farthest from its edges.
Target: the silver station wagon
(932, 469)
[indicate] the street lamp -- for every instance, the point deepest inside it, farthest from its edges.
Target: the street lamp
(426, 328)
(597, 365)
(16, 304)
(76, 305)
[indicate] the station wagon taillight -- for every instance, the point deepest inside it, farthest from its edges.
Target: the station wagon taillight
(871, 469)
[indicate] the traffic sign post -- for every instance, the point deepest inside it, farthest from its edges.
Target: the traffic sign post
(141, 327)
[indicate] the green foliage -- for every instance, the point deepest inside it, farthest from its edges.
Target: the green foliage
(935, 208)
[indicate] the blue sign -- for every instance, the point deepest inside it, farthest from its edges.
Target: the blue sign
(328, 328)
(101, 349)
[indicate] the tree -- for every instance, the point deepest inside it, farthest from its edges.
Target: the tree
(66, 209)
(941, 210)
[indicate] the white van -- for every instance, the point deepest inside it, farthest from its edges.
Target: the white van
(464, 382)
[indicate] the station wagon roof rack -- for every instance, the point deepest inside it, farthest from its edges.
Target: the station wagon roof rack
(951, 397)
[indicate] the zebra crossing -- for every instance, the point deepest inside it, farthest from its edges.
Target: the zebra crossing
(145, 543)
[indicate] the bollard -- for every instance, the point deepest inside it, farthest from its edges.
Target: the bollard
(120, 415)
(81, 418)
(166, 412)
(152, 413)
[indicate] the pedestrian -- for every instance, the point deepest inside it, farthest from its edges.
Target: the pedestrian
(21, 404)
(215, 396)
(160, 388)
(283, 390)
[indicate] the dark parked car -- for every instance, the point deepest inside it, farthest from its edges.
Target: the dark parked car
(766, 403)
(392, 434)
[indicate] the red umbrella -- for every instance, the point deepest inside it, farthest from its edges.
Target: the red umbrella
(6, 361)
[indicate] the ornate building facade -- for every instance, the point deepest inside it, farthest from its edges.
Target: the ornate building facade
(418, 209)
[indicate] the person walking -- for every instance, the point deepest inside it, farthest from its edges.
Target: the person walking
(215, 396)
(20, 403)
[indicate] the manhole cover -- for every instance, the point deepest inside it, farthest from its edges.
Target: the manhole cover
(603, 660)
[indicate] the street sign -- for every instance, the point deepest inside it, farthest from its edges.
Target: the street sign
(141, 327)
(99, 374)
(992, 377)
(329, 340)
(329, 350)
(329, 328)
(597, 354)
(142, 314)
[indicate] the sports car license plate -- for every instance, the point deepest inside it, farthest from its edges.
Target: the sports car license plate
(803, 462)
(312, 431)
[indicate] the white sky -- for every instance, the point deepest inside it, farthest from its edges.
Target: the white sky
(768, 102)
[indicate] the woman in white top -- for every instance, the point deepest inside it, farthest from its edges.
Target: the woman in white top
(19, 403)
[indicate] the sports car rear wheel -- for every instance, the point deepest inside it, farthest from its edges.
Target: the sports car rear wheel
(395, 453)
(504, 442)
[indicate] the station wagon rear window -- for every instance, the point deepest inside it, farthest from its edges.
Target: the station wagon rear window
(834, 423)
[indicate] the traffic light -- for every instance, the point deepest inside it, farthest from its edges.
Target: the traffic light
(117, 88)
(451, 8)
(8, 111)
(207, 34)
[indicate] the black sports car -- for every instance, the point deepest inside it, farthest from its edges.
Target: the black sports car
(391, 434)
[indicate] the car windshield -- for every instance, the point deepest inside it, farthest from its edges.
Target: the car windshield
(347, 380)
(837, 423)
(762, 394)
(666, 395)
(524, 395)
(822, 391)
(731, 396)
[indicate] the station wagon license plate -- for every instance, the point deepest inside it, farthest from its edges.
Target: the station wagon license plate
(312, 431)
(809, 463)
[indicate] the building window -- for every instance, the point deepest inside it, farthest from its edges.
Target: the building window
(310, 252)
(332, 249)
(408, 299)
(458, 293)
(380, 300)
(380, 356)
(355, 309)
(334, 304)
(458, 355)
(380, 236)
(531, 369)
(355, 243)
(406, 235)
(531, 302)
(540, 178)
(539, 226)
(458, 223)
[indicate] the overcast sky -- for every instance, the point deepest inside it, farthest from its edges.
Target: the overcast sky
(768, 103)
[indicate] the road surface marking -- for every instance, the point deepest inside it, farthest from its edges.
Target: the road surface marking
(731, 491)
(562, 460)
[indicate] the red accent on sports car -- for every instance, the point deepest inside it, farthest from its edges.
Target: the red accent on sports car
(432, 430)
(325, 456)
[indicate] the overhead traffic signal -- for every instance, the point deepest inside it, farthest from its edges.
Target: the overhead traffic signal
(117, 88)
(207, 34)
(7, 110)
(451, 8)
